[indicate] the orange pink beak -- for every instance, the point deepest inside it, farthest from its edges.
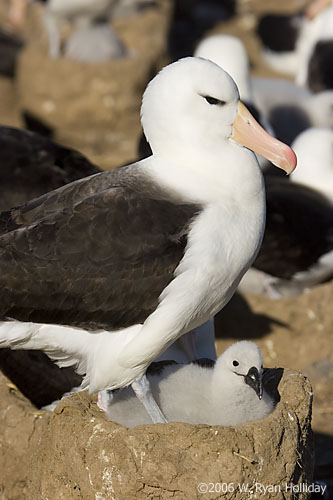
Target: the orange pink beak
(248, 133)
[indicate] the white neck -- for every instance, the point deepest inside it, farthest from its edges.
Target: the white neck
(227, 174)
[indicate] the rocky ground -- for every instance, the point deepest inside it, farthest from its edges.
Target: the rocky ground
(81, 106)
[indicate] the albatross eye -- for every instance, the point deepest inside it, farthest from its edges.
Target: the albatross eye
(235, 363)
(213, 100)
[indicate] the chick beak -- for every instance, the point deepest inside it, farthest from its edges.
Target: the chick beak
(248, 133)
(253, 379)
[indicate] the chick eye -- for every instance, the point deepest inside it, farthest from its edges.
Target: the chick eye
(213, 100)
(235, 363)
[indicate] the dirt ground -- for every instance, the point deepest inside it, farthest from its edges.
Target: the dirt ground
(292, 332)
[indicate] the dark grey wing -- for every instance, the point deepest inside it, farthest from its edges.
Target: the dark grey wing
(65, 196)
(100, 262)
(53, 202)
(299, 229)
(31, 165)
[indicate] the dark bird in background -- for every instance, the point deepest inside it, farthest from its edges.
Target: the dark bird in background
(297, 248)
(30, 166)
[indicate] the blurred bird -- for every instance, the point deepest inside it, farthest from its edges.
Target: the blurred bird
(91, 19)
(315, 52)
(297, 249)
(278, 35)
(31, 165)
(314, 150)
(82, 13)
(96, 43)
(291, 108)
(301, 45)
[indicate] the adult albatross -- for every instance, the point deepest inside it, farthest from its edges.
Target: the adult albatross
(106, 272)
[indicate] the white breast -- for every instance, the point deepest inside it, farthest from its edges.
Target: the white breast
(222, 245)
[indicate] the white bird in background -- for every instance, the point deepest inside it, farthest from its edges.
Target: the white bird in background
(91, 20)
(309, 56)
(297, 249)
(314, 150)
(83, 13)
(96, 43)
(228, 392)
(107, 272)
(230, 54)
(314, 32)
(292, 108)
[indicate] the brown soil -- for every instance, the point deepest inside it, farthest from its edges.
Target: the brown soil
(76, 453)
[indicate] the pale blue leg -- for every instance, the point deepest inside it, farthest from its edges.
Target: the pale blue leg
(142, 391)
(104, 399)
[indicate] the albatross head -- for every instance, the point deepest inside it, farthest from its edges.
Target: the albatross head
(241, 366)
(193, 103)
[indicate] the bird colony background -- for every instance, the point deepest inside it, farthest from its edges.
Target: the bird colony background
(94, 108)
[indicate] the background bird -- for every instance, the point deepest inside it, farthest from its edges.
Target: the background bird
(291, 108)
(297, 249)
(96, 43)
(31, 165)
(301, 44)
(314, 150)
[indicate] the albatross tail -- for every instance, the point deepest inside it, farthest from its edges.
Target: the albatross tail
(56, 341)
(88, 352)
